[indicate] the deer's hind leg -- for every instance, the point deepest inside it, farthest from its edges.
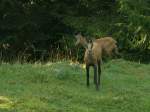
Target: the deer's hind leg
(95, 76)
(87, 75)
(99, 72)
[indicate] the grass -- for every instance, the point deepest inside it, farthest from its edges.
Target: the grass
(61, 87)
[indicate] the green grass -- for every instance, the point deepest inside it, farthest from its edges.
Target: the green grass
(61, 87)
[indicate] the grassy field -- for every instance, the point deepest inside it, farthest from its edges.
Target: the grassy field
(61, 87)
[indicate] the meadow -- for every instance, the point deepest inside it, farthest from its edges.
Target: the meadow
(61, 87)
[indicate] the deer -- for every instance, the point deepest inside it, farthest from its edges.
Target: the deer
(92, 57)
(93, 54)
(107, 44)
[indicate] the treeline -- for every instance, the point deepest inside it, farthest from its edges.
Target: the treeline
(44, 29)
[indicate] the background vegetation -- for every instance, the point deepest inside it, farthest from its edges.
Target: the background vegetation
(37, 29)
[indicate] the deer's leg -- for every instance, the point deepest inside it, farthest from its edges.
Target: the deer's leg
(95, 79)
(87, 75)
(95, 76)
(99, 72)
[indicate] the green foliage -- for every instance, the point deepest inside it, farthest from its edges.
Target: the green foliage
(61, 86)
(133, 31)
(49, 25)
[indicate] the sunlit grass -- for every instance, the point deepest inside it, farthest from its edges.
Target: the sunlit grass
(61, 87)
(5, 103)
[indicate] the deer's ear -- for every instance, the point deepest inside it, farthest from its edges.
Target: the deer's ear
(77, 35)
(91, 45)
(93, 39)
(86, 46)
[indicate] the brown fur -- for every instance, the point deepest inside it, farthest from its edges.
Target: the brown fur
(92, 57)
(94, 52)
(107, 44)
